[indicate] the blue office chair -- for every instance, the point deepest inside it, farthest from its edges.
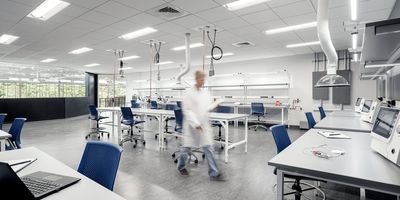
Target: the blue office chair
(2, 119)
(310, 120)
(257, 109)
(282, 141)
(135, 104)
(179, 104)
(178, 129)
(15, 130)
(321, 112)
(220, 109)
(100, 162)
(95, 116)
(168, 107)
(128, 119)
(153, 105)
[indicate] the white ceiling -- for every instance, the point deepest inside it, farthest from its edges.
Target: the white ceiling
(98, 23)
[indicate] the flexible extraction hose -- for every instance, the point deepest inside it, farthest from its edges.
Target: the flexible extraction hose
(213, 49)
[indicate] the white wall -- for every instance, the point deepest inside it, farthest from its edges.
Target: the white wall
(300, 68)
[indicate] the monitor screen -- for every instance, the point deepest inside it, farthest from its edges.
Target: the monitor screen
(385, 121)
(367, 106)
(358, 101)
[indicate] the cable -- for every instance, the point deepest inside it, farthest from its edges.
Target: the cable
(157, 56)
(213, 49)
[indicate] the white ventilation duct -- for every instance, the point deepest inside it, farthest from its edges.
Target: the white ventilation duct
(331, 79)
(179, 85)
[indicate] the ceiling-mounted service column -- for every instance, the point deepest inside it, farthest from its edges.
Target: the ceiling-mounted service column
(179, 85)
(331, 79)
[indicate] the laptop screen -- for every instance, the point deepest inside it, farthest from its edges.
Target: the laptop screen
(11, 185)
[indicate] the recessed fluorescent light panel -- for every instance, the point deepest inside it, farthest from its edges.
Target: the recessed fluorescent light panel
(138, 33)
(180, 48)
(302, 44)
(354, 38)
(7, 39)
(125, 68)
(92, 65)
(291, 28)
(48, 60)
(219, 55)
(48, 9)
(80, 50)
(353, 7)
(129, 57)
(240, 4)
(164, 63)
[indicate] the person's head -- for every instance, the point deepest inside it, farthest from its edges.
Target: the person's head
(200, 78)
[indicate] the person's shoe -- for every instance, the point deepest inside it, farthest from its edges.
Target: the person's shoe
(220, 177)
(184, 172)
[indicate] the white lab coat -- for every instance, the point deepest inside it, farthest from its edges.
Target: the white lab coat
(196, 106)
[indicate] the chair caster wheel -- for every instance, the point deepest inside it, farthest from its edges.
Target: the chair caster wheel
(173, 155)
(98, 137)
(196, 161)
(134, 146)
(108, 135)
(222, 147)
(176, 161)
(101, 134)
(144, 143)
(203, 156)
(155, 137)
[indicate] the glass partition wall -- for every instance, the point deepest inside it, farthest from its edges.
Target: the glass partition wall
(106, 91)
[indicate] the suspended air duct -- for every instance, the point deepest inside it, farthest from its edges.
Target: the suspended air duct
(331, 79)
(179, 85)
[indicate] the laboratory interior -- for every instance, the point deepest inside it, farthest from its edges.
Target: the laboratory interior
(200, 99)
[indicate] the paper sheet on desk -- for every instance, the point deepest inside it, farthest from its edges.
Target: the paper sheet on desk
(333, 135)
(24, 163)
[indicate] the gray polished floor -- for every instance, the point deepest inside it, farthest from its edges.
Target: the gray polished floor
(147, 173)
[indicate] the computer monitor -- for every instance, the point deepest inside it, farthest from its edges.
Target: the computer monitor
(358, 101)
(366, 106)
(383, 134)
(358, 107)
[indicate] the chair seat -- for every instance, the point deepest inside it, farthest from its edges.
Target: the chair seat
(131, 122)
(258, 114)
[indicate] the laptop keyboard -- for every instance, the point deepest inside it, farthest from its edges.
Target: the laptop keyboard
(38, 186)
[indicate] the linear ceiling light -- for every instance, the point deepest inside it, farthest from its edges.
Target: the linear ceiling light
(164, 63)
(219, 55)
(138, 33)
(237, 5)
(381, 65)
(354, 37)
(184, 47)
(80, 50)
(47, 9)
(92, 65)
(302, 44)
(129, 57)
(48, 60)
(353, 7)
(7, 39)
(291, 28)
(125, 68)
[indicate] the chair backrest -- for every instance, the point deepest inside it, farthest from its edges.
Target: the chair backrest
(322, 112)
(178, 120)
(15, 131)
(223, 109)
(126, 113)
(257, 108)
(310, 120)
(153, 105)
(93, 112)
(281, 137)
(100, 162)
(135, 104)
(2, 119)
(170, 106)
(179, 104)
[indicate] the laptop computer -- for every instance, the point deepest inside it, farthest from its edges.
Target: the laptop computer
(32, 186)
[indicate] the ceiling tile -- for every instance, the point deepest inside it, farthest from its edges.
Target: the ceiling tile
(99, 18)
(145, 19)
(194, 6)
(259, 17)
(311, 17)
(294, 9)
(216, 14)
(190, 21)
(252, 9)
(142, 5)
(231, 23)
(117, 10)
